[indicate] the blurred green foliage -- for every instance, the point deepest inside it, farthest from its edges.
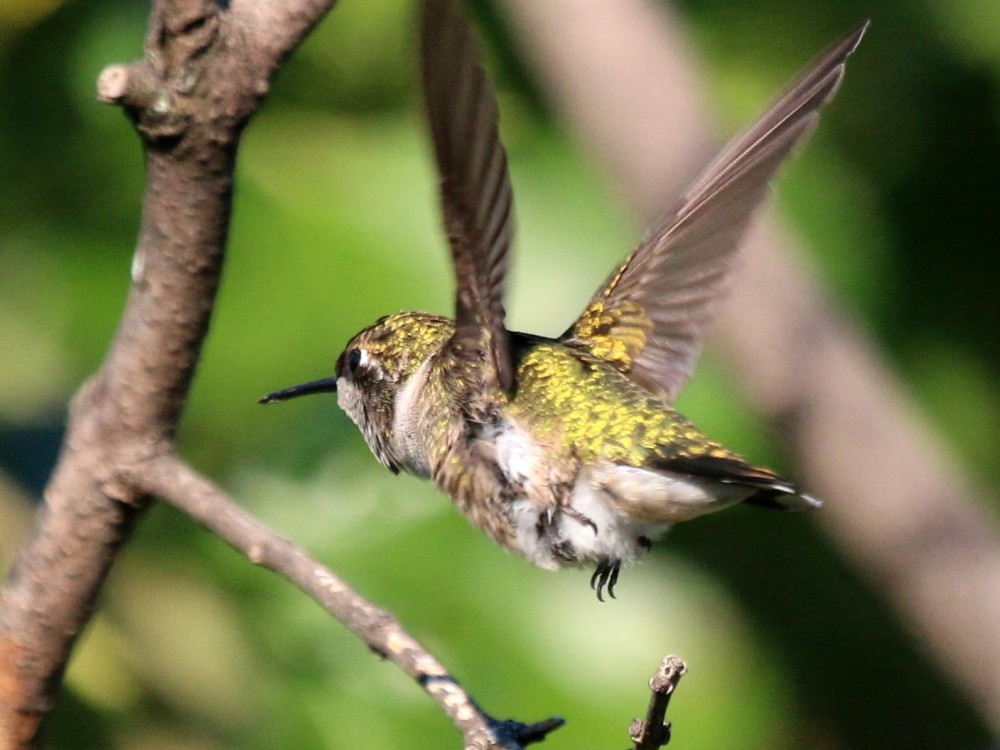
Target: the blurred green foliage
(335, 224)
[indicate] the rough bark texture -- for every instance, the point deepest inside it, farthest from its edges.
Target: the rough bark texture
(205, 72)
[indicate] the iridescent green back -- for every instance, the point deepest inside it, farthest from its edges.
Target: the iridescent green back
(576, 400)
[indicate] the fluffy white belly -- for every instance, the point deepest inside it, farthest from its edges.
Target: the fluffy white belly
(613, 512)
(587, 531)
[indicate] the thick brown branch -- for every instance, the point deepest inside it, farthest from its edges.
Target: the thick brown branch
(897, 506)
(174, 482)
(201, 80)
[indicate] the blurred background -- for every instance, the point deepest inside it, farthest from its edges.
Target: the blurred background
(335, 224)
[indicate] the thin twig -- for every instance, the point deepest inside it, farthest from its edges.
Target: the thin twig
(174, 482)
(654, 732)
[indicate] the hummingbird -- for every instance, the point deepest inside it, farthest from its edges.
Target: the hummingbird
(567, 451)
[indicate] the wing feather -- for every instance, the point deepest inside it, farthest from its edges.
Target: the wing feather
(476, 195)
(650, 316)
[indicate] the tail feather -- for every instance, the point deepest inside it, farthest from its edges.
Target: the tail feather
(783, 500)
(773, 492)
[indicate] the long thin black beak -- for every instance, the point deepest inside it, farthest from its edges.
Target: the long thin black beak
(326, 385)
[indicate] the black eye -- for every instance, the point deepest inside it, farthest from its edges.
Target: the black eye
(353, 360)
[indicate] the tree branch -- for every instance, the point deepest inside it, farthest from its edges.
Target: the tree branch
(202, 78)
(653, 732)
(906, 514)
(174, 482)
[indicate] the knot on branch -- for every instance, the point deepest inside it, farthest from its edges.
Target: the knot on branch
(190, 76)
(190, 28)
(147, 101)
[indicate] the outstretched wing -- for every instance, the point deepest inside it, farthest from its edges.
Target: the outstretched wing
(476, 196)
(649, 318)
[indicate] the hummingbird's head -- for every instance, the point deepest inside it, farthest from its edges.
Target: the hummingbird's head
(374, 370)
(372, 373)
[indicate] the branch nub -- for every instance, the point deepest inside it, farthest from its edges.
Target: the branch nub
(112, 84)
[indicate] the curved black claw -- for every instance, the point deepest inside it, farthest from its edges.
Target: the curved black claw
(605, 576)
